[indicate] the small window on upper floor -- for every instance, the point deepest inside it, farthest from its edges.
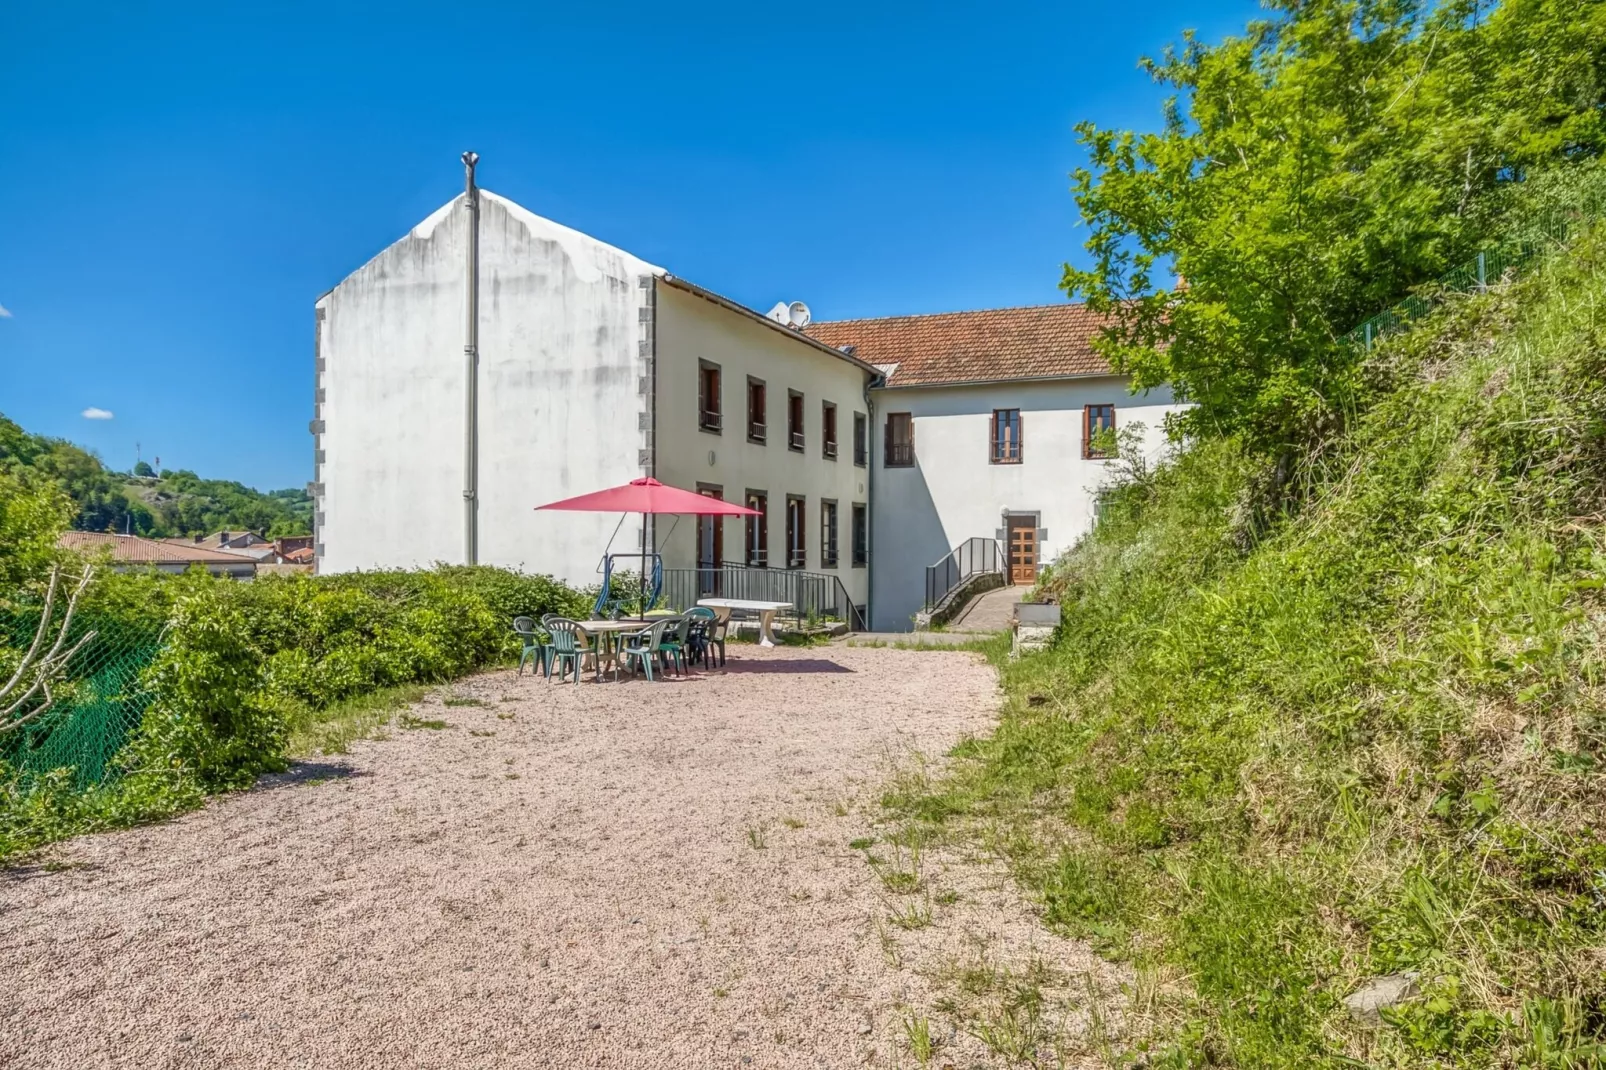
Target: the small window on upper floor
(900, 440)
(794, 420)
(708, 406)
(757, 407)
(1005, 436)
(861, 439)
(1098, 432)
(828, 430)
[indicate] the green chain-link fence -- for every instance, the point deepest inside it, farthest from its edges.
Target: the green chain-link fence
(99, 700)
(1488, 267)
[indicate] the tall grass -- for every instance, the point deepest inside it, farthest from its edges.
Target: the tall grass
(1276, 751)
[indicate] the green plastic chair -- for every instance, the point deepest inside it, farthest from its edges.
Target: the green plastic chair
(713, 634)
(567, 646)
(536, 648)
(672, 644)
(642, 647)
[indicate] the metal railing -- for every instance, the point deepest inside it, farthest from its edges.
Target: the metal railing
(813, 594)
(970, 558)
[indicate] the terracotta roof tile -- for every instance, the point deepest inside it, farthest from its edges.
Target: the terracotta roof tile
(148, 551)
(1037, 342)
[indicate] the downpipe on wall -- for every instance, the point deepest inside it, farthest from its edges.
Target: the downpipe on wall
(471, 362)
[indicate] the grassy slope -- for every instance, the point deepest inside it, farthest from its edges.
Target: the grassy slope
(1370, 743)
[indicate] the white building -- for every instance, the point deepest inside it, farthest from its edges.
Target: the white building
(987, 428)
(873, 447)
(594, 368)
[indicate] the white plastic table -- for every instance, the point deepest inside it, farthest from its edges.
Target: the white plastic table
(766, 613)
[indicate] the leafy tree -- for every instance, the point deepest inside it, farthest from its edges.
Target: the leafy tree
(1309, 173)
(144, 470)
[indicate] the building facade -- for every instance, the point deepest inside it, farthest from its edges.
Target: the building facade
(594, 368)
(871, 448)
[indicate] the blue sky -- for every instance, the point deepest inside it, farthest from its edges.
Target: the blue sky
(179, 181)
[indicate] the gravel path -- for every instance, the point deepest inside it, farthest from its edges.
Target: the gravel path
(616, 875)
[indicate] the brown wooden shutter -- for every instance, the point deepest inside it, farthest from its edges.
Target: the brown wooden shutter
(1087, 445)
(992, 437)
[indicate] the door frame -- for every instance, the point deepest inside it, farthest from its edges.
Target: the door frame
(1022, 521)
(710, 584)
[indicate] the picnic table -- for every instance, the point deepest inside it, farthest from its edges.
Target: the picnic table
(766, 613)
(605, 630)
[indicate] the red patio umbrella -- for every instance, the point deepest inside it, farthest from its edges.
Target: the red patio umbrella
(646, 496)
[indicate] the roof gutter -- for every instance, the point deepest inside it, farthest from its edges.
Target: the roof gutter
(944, 383)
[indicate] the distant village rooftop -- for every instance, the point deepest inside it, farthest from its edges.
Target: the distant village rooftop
(990, 345)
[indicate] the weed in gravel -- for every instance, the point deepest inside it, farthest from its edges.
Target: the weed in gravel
(332, 730)
(917, 1032)
(504, 717)
(947, 897)
(901, 875)
(409, 721)
(755, 838)
(793, 823)
(461, 700)
(889, 945)
(915, 914)
(863, 843)
(481, 732)
(839, 808)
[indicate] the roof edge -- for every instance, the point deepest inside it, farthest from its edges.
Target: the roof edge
(725, 302)
(1109, 373)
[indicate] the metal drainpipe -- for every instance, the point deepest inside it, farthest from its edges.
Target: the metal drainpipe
(471, 361)
(870, 383)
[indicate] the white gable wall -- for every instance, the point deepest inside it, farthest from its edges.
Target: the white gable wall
(953, 492)
(560, 331)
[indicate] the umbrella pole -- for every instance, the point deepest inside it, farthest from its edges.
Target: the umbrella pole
(643, 576)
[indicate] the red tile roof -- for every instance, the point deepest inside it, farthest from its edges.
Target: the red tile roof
(990, 345)
(148, 551)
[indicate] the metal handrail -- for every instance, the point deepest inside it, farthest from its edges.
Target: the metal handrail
(970, 558)
(809, 593)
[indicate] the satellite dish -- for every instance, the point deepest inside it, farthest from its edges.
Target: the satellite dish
(780, 313)
(797, 314)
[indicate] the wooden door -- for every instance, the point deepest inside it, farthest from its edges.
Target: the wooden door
(1022, 549)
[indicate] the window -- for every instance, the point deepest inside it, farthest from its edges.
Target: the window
(710, 544)
(708, 411)
(828, 430)
(796, 551)
(861, 439)
(1098, 422)
(861, 535)
(1005, 437)
(756, 408)
(758, 530)
(827, 534)
(900, 440)
(794, 420)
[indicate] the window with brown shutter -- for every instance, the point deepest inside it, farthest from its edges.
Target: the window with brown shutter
(757, 427)
(794, 420)
(1098, 421)
(828, 430)
(828, 534)
(1005, 437)
(796, 526)
(900, 452)
(708, 408)
(758, 529)
(861, 439)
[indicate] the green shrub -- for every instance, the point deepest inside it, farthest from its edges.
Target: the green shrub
(241, 664)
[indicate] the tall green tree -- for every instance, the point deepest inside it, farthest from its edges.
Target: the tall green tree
(1309, 173)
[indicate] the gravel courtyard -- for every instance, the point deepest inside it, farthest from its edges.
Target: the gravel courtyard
(615, 875)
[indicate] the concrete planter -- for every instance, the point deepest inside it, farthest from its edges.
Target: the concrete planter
(1034, 627)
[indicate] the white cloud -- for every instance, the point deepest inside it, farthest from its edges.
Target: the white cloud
(93, 413)
(5, 313)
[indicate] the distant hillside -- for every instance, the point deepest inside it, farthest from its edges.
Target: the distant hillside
(166, 503)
